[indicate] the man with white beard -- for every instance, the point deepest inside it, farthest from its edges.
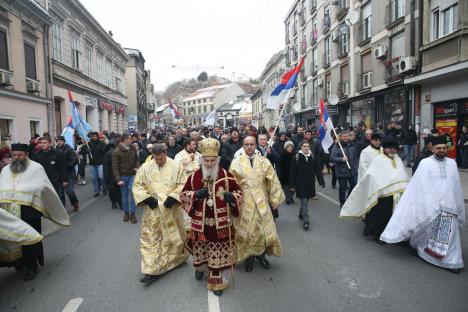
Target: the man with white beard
(212, 198)
(432, 211)
(27, 193)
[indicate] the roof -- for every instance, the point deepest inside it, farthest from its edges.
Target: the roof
(248, 87)
(207, 92)
(273, 61)
(242, 106)
(134, 52)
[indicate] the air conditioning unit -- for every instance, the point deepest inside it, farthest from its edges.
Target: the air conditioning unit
(6, 79)
(406, 64)
(367, 80)
(320, 82)
(32, 86)
(380, 52)
(334, 36)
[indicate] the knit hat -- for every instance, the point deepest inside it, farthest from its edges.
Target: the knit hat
(288, 143)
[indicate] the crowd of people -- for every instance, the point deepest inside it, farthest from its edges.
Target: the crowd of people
(193, 182)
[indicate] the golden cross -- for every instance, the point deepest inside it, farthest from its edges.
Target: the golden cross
(208, 183)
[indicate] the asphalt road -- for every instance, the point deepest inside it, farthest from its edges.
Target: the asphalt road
(94, 265)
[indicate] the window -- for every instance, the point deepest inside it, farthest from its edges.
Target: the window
(435, 25)
(344, 43)
(34, 128)
(100, 68)
(4, 64)
(108, 78)
(366, 22)
(328, 86)
(450, 20)
(75, 50)
(327, 51)
(57, 42)
(88, 57)
(315, 92)
(396, 10)
(30, 61)
(314, 60)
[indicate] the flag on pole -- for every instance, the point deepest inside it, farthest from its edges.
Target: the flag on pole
(68, 133)
(210, 119)
(326, 127)
(77, 121)
(175, 113)
(282, 92)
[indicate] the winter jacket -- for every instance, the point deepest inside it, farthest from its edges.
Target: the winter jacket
(54, 165)
(107, 165)
(302, 175)
(227, 155)
(341, 168)
(409, 137)
(173, 150)
(124, 162)
(68, 154)
(96, 151)
(285, 165)
(425, 153)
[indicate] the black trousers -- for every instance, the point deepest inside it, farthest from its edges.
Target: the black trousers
(377, 219)
(343, 185)
(115, 194)
(32, 254)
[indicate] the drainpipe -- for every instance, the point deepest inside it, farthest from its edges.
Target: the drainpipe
(48, 80)
(417, 89)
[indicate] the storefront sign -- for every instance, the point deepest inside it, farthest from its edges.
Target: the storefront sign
(332, 110)
(446, 110)
(448, 126)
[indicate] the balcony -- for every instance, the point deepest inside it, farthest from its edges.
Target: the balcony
(342, 8)
(394, 13)
(326, 22)
(364, 82)
(392, 71)
(343, 89)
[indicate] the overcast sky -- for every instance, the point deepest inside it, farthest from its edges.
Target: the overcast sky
(240, 35)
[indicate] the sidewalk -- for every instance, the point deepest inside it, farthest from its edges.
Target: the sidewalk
(464, 182)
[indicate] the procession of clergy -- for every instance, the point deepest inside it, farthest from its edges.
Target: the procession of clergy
(223, 217)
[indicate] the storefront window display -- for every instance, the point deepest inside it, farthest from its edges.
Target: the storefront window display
(363, 111)
(394, 107)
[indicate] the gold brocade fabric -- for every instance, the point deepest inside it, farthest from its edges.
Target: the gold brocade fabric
(9, 252)
(162, 234)
(189, 163)
(255, 228)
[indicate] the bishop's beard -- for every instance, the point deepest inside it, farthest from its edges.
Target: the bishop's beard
(18, 166)
(210, 172)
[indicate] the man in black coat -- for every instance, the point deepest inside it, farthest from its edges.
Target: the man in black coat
(425, 153)
(68, 154)
(409, 139)
(305, 168)
(230, 148)
(172, 147)
(52, 162)
(364, 142)
(344, 174)
(299, 136)
(96, 160)
(115, 195)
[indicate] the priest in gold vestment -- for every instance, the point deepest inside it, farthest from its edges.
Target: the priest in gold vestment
(255, 228)
(156, 188)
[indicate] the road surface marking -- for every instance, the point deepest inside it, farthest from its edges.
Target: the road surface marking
(213, 302)
(73, 305)
(329, 198)
(89, 202)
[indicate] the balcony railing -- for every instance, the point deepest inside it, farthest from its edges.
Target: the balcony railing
(392, 71)
(342, 8)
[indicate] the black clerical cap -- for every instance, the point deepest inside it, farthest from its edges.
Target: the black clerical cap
(18, 147)
(389, 141)
(439, 139)
(376, 136)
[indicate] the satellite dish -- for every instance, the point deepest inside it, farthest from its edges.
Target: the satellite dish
(297, 107)
(352, 18)
(333, 99)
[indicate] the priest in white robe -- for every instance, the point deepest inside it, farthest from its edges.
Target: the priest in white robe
(376, 194)
(369, 154)
(431, 212)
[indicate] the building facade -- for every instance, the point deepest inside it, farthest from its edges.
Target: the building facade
(25, 91)
(441, 91)
(353, 51)
(150, 100)
(196, 107)
(87, 61)
(136, 88)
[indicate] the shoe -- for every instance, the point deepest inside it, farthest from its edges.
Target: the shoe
(104, 193)
(148, 279)
(315, 198)
(96, 194)
(454, 271)
(84, 182)
(218, 293)
(249, 264)
(30, 274)
(300, 217)
(114, 205)
(199, 275)
(133, 218)
(306, 226)
(76, 207)
(264, 262)
(126, 217)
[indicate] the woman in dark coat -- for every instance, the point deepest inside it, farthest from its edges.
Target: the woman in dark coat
(285, 164)
(305, 168)
(115, 194)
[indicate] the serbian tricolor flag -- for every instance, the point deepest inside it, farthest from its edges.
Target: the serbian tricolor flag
(282, 92)
(326, 127)
(175, 113)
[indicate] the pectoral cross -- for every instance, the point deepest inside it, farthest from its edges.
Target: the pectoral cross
(208, 182)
